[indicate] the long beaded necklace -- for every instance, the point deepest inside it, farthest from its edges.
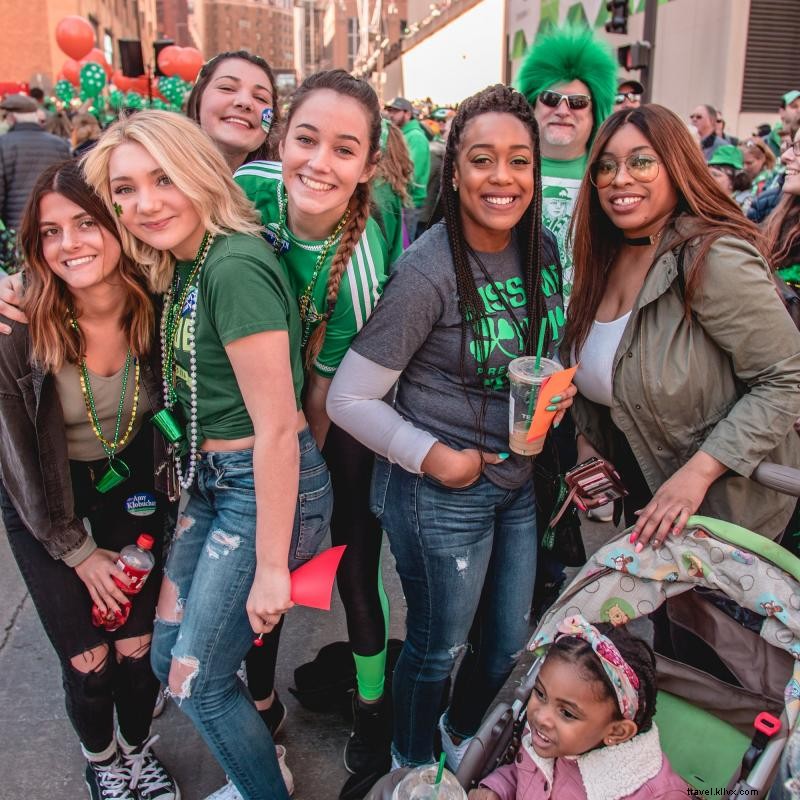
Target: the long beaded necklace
(309, 315)
(169, 330)
(117, 470)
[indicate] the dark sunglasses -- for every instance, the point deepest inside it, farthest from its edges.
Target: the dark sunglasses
(574, 101)
(631, 97)
(640, 167)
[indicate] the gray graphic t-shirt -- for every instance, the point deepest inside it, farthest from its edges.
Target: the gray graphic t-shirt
(416, 328)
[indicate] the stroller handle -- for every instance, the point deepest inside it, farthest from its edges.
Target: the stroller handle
(777, 477)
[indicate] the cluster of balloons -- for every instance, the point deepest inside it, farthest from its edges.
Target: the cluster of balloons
(86, 72)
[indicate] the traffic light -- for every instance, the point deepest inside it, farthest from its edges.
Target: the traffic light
(634, 56)
(618, 9)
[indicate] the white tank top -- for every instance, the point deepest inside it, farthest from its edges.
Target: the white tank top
(593, 377)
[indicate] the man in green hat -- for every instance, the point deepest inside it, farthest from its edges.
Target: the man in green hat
(727, 169)
(570, 79)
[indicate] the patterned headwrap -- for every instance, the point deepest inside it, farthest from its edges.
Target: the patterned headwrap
(622, 677)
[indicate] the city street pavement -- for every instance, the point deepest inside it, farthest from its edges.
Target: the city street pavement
(39, 755)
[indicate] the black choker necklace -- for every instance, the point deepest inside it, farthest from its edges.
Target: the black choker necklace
(643, 241)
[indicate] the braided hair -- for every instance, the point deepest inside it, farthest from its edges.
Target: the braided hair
(503, 100)
(341, 82)
(637, 654)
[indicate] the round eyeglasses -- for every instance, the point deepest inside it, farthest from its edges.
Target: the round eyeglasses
(640, 167)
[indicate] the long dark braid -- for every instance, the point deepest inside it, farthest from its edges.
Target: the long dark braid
(504, 100)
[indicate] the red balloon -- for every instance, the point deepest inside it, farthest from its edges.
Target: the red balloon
(123, 83)
(189, 62)
(98, 57)
(72, 71)
(168, 60)
(75, 36)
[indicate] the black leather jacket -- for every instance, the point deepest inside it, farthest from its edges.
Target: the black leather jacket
(34, 463)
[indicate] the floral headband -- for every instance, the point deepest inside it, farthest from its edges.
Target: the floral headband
(622, 677)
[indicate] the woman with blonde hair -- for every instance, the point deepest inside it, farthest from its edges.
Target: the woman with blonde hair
(259, 492)
(76, 386)
(759, 164)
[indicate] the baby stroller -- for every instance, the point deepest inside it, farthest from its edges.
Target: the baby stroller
(705, 719)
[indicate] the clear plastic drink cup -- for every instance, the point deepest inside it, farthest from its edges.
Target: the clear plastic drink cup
(525, 382)
(419, 784)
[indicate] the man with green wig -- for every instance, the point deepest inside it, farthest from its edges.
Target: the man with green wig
(570, 79)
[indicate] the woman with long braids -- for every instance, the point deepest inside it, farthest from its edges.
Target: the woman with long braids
(259, 491)
(459, 510)
(76, 388)
(316, 206)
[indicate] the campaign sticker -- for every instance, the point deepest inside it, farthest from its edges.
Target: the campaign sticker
(191, 302)
(141, 505)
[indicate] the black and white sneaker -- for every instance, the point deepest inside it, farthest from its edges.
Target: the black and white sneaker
(149, 779)
(108, 780)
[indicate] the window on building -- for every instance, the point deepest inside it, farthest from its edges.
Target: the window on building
(352, 41)
(770, 62)
(108, 46)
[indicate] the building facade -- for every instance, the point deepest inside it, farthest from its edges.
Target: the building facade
(31, 54)
(173, 22)
(264, 27)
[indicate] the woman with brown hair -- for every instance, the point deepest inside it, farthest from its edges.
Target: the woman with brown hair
(783, 226)
(390, 186)
(75, 388)
(689, 364)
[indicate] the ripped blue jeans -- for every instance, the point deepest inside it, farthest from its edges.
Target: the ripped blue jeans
(467, 562)
(210, 569)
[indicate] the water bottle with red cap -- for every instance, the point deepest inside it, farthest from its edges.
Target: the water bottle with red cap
(137, 562)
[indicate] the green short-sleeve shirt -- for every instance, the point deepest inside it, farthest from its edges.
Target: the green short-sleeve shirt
(364, 278)
(243, 290)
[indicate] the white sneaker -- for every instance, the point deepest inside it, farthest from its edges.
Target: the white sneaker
(288, 778)
(230, 792)
(226, 792)
(453, 752)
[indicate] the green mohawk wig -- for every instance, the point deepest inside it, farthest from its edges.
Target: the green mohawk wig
(566, 54)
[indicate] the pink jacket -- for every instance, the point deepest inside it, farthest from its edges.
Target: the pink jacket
(634, 770)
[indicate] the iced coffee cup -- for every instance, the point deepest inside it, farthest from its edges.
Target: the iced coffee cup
(420, 784)
(525, 384)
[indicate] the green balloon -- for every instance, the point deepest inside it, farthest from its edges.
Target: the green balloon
(116, 99)
(134, 100)
(93, 79)
(64, 91)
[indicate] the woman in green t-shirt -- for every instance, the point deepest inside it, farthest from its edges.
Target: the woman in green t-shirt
(316, 206)
(259, 492)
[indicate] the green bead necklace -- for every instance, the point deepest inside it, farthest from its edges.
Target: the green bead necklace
(117, 470)
(309, 315)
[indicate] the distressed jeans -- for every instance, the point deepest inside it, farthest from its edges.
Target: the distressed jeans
(211, 564)
(467, 562)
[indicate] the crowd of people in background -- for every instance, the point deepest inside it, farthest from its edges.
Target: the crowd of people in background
(319, 300)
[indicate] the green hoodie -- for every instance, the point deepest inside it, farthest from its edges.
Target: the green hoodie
(420, 154)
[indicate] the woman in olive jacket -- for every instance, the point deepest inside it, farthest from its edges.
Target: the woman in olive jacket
(689, 364)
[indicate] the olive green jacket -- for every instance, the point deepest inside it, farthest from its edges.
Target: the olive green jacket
(725, 381)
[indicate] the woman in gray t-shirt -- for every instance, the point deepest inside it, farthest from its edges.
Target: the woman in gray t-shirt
(459, 512)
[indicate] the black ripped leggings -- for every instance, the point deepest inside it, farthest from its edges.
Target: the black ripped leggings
(64, 606)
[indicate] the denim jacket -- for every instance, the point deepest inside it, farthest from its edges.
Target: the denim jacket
(34, 462)
(724, 381)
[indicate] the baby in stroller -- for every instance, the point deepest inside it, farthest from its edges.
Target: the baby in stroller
(590, 732)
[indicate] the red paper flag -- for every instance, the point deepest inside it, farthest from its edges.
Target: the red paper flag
(312, 583)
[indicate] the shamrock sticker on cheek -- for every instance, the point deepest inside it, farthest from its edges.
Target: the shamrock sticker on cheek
(118, 210)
